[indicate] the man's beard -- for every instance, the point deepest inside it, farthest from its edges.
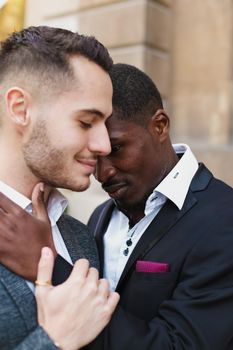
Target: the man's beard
(44, 161)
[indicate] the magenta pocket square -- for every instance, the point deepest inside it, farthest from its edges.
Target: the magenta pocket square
(151, 266)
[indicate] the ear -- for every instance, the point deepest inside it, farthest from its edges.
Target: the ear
(17, 103)
(159, 124)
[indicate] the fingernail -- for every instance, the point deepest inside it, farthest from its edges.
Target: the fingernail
(42, 187)
(45, 252)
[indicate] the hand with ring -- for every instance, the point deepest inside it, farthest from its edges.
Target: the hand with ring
(45, 284)
(75, 312)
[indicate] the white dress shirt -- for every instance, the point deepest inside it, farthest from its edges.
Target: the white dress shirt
(56, 206)
(174, 187)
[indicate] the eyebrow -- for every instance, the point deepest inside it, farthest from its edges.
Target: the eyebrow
(94, 111)
(115, 138)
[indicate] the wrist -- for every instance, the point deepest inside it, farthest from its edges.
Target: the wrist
(63, 343)
(60, 347)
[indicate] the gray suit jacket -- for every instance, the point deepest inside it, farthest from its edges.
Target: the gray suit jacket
(18, 317)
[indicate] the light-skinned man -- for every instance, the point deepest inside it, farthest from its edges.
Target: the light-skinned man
(55, 96)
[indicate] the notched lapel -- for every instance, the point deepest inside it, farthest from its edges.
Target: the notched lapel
(168, 216)
(103, 220)
(71, 234)
(78, 240)
(100, 229)
(21, 295)
(201, 179)
(69, 238)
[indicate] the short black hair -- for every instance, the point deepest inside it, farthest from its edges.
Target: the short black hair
(45, 51)
(135, 96)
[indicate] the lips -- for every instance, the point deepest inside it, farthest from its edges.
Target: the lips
(114, 190)
(89, 164)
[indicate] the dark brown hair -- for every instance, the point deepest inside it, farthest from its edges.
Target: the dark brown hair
(45, 51)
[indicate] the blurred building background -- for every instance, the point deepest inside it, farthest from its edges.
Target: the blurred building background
(184, 45)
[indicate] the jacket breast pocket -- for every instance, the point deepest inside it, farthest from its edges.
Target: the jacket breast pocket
(144, 292)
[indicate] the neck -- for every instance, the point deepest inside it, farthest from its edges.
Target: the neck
(21, 183)
(14, 172)
(134, 219)
(134, 215)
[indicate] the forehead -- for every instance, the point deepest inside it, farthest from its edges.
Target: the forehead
(92, 87)
(87, 72)
(118, 128)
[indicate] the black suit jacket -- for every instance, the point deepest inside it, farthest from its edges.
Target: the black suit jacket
(191, 306)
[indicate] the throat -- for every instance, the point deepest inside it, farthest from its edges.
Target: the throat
(134, 213)
(134, 220)
(134, 217)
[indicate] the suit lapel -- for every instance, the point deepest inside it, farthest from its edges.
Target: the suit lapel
(70, 237)
(21, 295)
(160, 225)
(103, 219)
(78, 240)
(100, 229)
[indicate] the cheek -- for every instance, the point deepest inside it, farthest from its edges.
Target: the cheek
(142, 173)
(129, 164)
(69, 140)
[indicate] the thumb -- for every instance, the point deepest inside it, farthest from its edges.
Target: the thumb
(45, 268)
(38, 205)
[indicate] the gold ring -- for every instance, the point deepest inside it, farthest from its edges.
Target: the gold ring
(44, 284)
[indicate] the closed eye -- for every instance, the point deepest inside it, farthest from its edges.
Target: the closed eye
(85, 125)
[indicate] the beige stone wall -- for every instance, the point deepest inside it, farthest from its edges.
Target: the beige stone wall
(184, 45)
(201, 96)
(130, 29)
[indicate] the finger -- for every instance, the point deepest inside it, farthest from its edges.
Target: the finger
(8, 206)
(80, 270)
(3, 213)
(38, 205)
(45, 266)
(8, 226)
(93, 275)
(113, 300)
(104, 287)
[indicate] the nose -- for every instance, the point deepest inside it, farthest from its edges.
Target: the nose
(99, 142)
(104, 169)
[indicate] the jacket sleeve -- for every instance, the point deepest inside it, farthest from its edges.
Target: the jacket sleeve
(197, 316)
(38, 339)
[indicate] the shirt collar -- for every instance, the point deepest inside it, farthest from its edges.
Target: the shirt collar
(14, 195)
(176, 184)
(56, 205)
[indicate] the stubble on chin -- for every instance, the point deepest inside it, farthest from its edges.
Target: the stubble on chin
(49, 164)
